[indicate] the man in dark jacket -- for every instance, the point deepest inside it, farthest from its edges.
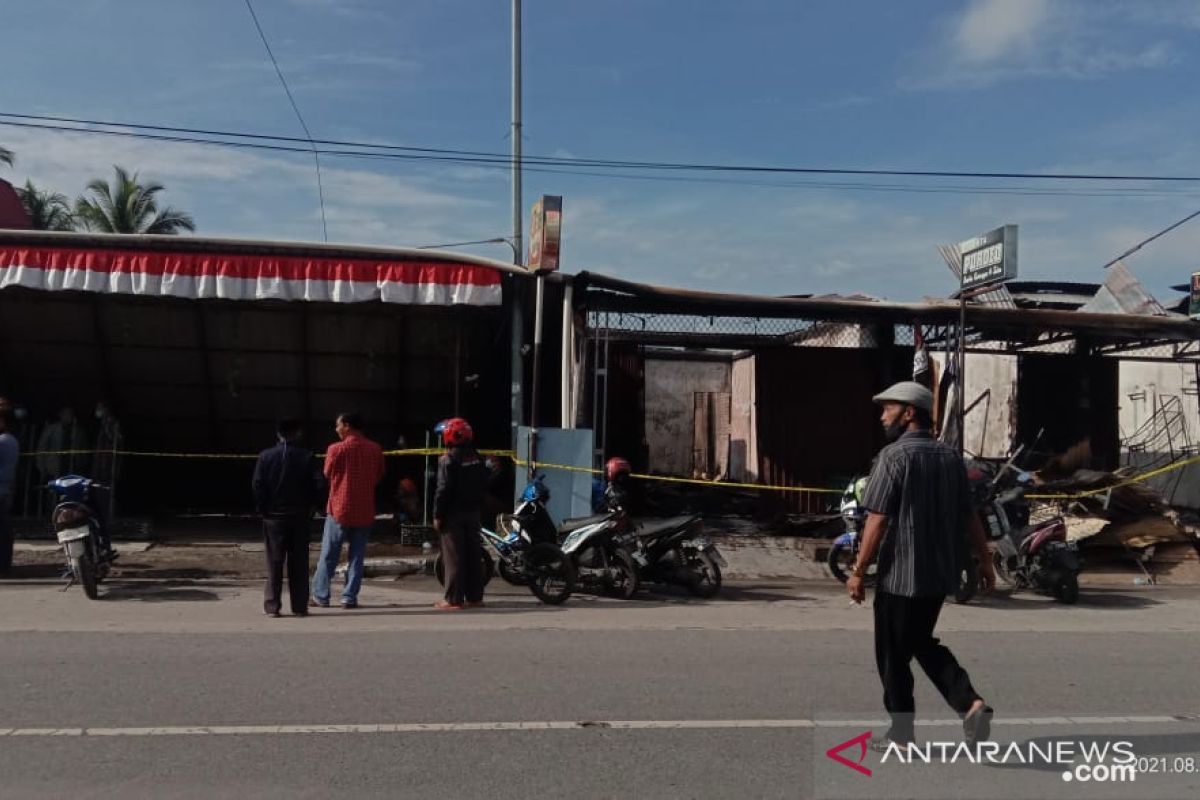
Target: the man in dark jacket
(287, 486)
(461, 492)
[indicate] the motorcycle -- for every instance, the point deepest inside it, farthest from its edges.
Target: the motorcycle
(1036, 556)
(843, 552)
(675, 551)
(77, 528)
(599, 547)
(521, 560)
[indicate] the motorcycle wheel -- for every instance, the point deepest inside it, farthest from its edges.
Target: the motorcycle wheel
(626, 586)
(1065, 588)
(708, 576)
(85, 573)
(439, 569)
(968, 582)
(509, 575)
(551, 575)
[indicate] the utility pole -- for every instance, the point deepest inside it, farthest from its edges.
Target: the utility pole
(518, 315)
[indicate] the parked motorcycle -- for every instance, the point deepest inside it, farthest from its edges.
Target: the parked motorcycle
(600, 547)
(1034, 556)
(676, 551)
(843, 552)
(77, 527)
(523, 561)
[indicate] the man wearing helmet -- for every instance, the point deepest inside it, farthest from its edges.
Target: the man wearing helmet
(618, 491)
(459, 499)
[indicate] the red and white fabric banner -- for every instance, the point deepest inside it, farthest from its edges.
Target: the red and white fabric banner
(196, 275)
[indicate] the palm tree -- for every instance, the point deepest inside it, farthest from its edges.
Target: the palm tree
(126, 206)
(7, 156)
(48, 211)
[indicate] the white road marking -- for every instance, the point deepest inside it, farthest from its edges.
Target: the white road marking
(570, 725)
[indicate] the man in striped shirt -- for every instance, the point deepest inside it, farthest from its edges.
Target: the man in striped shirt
(920, 521)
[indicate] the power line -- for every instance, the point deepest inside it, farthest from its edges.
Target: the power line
(1147, 241)
(316, 156)
(556, 168)
(501, 158)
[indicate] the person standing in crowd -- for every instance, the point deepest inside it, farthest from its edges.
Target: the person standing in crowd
(287, 487)
(109, 441)
(62, 447)
(10, 451)
(353, 466)
(920, 521)
(461, 492)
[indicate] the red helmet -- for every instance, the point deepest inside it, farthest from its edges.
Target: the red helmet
(457, 431)
(616, 466)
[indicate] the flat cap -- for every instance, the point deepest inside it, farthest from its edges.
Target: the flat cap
(907, 392)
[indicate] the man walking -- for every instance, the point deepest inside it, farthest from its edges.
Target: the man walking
(920, 521)
(353, 467)
(461, 493)
(10, 451)
(286, 488)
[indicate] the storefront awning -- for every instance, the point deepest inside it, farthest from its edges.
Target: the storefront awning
(196, 268)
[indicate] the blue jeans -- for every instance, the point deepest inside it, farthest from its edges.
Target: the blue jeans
(331, 551)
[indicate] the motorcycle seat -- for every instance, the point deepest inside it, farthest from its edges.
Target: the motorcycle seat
(656, 527)
(579, 522)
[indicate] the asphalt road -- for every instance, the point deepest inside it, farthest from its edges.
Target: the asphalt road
(188, 691)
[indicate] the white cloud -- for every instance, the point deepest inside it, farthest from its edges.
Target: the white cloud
(991, 29)
(239, 192)
(998, 40)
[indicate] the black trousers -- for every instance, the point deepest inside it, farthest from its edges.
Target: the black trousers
(462, 558)
(287, 545)
(904, 631)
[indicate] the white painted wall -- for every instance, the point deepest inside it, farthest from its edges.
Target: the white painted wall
(670, 409)
(991, 426)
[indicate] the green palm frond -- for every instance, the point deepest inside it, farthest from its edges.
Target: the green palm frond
(48, 211)
(125, 205)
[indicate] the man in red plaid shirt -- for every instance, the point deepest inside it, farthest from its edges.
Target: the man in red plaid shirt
(353, 466)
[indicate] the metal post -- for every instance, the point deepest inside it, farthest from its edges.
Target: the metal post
(425, 489)
(568, 356)
(537, 374)
(959, 400)
(517, 366)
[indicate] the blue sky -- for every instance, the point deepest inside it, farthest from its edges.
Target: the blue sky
(991, 85)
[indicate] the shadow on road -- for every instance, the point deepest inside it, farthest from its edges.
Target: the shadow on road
(34, 571)
(141, 571)
(412, 609)
(1109, 599)
(158, 592)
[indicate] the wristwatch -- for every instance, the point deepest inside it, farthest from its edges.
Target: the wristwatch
(857, 571)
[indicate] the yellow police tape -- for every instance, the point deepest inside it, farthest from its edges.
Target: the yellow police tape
(435, 451)
(1174, 465)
